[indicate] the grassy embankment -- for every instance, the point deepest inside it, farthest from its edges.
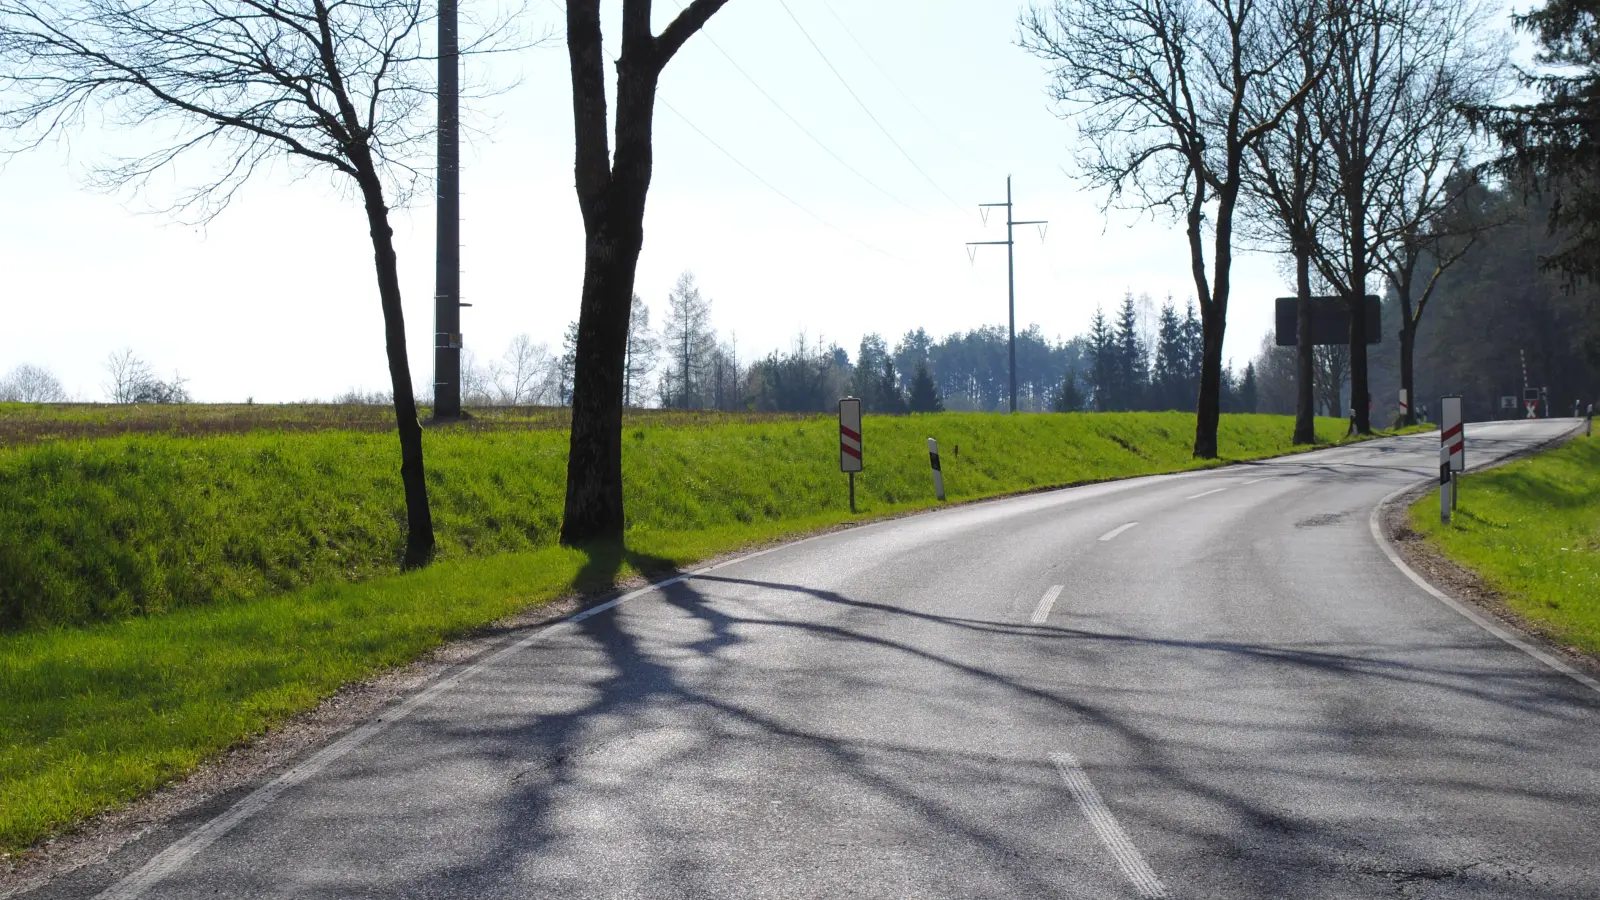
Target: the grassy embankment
(166, 597)
(1531, 529)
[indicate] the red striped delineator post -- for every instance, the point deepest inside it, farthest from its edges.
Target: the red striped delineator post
(850, 442)
(1452, 454)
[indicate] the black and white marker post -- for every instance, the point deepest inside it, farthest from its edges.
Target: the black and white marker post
(850, 443)
(1452, 454)
(938, 476)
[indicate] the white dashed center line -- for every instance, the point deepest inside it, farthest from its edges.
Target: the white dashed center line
(1042, 611)
(1116, 531)
(1206, 493)
(1105, 825)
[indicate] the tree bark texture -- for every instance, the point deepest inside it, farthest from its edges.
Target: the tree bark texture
(419, 517)
(1305, 412)
(611, 197)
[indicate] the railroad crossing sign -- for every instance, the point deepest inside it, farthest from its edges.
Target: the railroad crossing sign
(850, 435)
(1530, 399)
(1452, 439)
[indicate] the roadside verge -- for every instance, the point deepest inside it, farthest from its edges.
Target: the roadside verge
(1469, 592)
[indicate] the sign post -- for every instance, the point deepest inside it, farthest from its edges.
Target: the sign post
(850, 443)
(1530, 400)
(1452, 450)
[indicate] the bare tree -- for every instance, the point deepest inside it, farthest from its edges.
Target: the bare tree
(477, 380)
(31, 384)
(128, 373)
(1433, 174)
(640, 358)
(689, 342)
(1395, 66)
(612, 183)
(342, 87)
(520, 376)
(134, 381)
(1161, 93)
(1282, 186)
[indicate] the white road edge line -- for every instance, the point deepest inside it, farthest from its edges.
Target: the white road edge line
(1042, 611)
(1116, 531)
(1206, 493)
(175, 855)
(1105, 825)
(1469, 613)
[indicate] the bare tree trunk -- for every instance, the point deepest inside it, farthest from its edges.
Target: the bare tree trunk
(594, 507)
(611, 194)
(419, 518)
(1360, 395)
(1408, 347)
(1305, 421)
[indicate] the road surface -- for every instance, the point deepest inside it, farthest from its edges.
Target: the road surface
(1209, 685)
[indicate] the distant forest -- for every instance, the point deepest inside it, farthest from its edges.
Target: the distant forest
(1492, 312)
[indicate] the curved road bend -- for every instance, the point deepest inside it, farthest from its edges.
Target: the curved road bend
(1237, 697)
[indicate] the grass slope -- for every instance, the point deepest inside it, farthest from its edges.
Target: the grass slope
(141, 524)
(98, 713)
(1531, 529)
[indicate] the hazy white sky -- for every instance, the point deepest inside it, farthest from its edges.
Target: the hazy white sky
(276, 299)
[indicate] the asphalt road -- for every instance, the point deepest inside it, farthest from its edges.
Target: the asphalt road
(1239, 696)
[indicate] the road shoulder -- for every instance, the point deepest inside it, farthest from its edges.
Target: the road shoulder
(1459, 586)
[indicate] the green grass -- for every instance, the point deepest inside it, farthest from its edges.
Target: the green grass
(205, 588)
(1531, 529)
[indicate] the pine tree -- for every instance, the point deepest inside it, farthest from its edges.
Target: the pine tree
(565, 366)
(888, 389)
(1193, 353)
(1133, 364)
(924, 393)
(869, 367)
(1069, 398)
(1102, 361)
(1171, 366)
(1247, 389)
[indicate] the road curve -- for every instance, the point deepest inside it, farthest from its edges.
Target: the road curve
(1206, 685)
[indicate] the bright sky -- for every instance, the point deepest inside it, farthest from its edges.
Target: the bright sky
(276, 299)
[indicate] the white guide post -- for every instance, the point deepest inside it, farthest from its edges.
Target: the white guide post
(850, 442)
(938, 476)
(1452, 453)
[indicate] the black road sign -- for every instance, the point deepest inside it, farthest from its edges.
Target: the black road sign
(1330, 321)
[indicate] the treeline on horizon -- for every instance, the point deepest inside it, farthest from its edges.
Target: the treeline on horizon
(1494, 312)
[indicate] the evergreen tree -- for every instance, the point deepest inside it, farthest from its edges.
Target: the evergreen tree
(1193, 351)
(912, 349)
(1247, 389)
(924, 394)
(888, 389)
(566, 365)
(869, 367)
(1133, 364)
(1171, 366)
(1102, 361)
(1069, 398)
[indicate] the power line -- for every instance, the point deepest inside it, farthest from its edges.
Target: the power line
(863, 105)
(770, 186)
(797, 124)
(752, 172)
(894, 84)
